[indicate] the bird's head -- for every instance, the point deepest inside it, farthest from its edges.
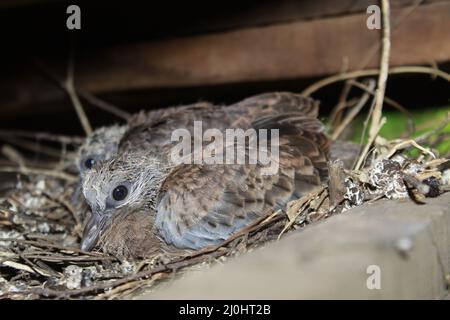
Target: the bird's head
(101, 145)
(113, 188)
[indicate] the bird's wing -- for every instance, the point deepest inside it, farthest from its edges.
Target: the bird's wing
(246, 111)
(146, 117)
(152, 130)
(203, 205)
(154, 133)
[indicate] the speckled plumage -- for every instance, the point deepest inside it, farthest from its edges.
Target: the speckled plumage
(104, 142)
(176, 207)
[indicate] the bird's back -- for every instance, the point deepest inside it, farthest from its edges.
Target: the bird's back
(152, 131)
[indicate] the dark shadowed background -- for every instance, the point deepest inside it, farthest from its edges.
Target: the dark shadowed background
(150, 55)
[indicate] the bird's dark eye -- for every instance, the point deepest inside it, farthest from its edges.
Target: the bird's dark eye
(89, 163)
(119, 193)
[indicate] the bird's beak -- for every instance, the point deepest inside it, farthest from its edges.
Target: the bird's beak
(93, 229)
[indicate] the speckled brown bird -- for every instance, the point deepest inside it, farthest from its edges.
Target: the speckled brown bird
(143, 204)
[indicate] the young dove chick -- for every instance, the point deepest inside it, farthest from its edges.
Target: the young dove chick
(142, 203)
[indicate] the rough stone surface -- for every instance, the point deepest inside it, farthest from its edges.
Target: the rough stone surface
(410, 244)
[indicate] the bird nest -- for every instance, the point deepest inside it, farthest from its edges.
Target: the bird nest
(40, 227)
(40, 232)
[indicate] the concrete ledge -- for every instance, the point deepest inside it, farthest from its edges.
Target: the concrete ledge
(410, 244)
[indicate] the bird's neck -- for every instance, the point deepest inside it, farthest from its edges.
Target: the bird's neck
(157, 171)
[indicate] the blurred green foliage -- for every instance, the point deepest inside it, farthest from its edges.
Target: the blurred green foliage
(425, 120)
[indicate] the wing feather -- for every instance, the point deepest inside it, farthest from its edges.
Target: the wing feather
(203, 205)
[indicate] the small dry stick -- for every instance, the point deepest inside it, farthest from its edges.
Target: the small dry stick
(336, 113)
(106, 106)
(406, 144)
(300, 205)
(69, 86)
(366, 149)
(376, 121)
(35, 146)
(373, 50)
(43, 136)
(50, 173)
(389, 101)
(384, 67)
(95, 101)
(373, 72)
(394, 28)
(353, 113)
(439, 128)
(13, 155)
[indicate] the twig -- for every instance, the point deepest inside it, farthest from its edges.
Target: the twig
(367, 146)
(69, 86)
(60, 258)
(95, 101)
(105, 286)
(43, 136)
(384, 67)
(439, 128)
(49, 245)
(14, 156)
(388, 100)
(373, 72)
(300, 206)
(376, 121)
(439, 139)
(395, 24)
(391, 102)
(68, 206)
(106, 106)
(45, 172)
(36, 147)
(353, 113)
(336, 113)
(373, 50)
(131, 286)
(406, 144)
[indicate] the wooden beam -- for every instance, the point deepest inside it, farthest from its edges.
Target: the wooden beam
(292, 50)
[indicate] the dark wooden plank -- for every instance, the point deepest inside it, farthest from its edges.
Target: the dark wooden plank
(293, 50)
